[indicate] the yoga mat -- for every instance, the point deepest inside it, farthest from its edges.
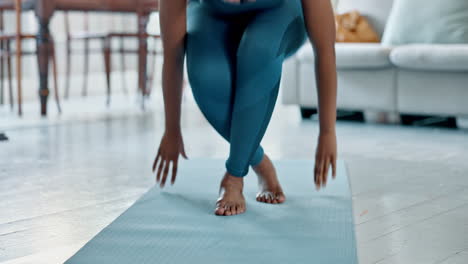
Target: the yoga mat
(177, 225)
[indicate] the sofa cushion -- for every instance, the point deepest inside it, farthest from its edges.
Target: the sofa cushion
(420, 21)
(439, 57)
(354, 55)
(376, 12)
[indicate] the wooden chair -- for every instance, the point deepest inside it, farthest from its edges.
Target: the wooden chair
(18, 38)
(106, 43)
(5, 61)
(154, 52)
(86, 37)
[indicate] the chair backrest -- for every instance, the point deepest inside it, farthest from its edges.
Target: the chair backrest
(18, 9)
(19, 52)
(2, 26)
(66, 20)
(377, 11)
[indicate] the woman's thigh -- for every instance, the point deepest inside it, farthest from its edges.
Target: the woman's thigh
(273, 32)
(271, 36)
(209, 57)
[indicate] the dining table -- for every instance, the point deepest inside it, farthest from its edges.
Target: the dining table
(44, 11)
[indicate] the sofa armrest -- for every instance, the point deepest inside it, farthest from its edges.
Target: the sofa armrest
(290, 81)
(436, 57)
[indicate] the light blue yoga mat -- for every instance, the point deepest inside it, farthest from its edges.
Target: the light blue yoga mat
(177, 225)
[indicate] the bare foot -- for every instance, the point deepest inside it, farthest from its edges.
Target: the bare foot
(269, 187)
(231, 200)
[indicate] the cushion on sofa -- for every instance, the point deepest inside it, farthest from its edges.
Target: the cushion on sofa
(422, 21)
(440, 57)
(376, 11)
(354, 55)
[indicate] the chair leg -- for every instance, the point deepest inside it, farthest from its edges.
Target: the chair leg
(67, 69)
(84, 92)
(152, 74)
(122, 62)
(10, 75)
(107, 65)
(2, 71)
(54, 72)
(19, 77)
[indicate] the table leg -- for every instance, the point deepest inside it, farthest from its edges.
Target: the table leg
(44, 12)
(143, 19)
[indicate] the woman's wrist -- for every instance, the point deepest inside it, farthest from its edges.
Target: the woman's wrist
(327, 131)
(173, 130)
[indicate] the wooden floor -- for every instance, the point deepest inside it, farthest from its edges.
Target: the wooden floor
(60, 184)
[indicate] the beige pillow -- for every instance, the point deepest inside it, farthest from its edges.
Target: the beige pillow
(353, 27)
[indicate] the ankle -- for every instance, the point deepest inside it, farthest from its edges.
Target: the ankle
(265, 163)
(262, 161)
(232, 180)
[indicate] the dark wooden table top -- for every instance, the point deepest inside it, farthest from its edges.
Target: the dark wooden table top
(89, 5)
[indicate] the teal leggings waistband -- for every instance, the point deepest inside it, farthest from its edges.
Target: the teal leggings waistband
(223, 7)
(234, 67)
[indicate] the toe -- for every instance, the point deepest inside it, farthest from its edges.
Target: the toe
(220, 208)
(242, 209)
(233, 210)
(228, 210)
(269, 198)
(219, 211)
(280, 197)
(239, 209)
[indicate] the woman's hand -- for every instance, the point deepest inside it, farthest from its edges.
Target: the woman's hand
(326, 155)
(170, 147)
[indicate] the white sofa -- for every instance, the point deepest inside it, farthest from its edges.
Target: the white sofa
(428, 79)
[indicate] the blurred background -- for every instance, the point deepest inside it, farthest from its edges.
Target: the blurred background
(81, 117)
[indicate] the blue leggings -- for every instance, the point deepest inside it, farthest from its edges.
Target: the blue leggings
(235, 54)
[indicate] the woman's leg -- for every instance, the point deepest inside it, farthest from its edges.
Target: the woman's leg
(270, 37)
(211, 49)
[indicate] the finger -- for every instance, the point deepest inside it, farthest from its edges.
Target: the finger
(317, 174)
(316, 179)
(334, 167)
(320, 172)
(174, 170)
(325, 170)
(183, 153)
(160, 167)
(156, 159)
(157, 163)
(166, 171)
